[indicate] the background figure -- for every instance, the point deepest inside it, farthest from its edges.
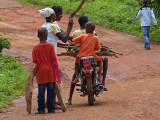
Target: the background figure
(145, 13)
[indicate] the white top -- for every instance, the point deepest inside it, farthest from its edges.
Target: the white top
(145, 13)
(52, 29)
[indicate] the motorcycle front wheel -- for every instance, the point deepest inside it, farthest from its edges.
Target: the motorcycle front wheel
(89, 90)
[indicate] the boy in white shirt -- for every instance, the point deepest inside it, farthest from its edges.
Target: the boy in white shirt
(145, 13)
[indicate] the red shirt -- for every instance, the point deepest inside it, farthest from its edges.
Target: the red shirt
(88, 43)
(44, 54)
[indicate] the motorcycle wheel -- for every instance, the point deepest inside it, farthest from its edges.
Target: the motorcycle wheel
(89, 90)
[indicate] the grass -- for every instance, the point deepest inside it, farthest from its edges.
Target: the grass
(112, 14)
(12, 79)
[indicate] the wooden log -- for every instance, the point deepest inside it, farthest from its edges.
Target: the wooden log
(104, 53)
(60, 96)
(99, 53)
(29, 91)
(69, 47)
(72, 54)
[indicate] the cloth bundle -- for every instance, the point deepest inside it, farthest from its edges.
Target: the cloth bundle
(46, 12)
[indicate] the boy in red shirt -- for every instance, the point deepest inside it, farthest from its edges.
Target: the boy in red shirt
(88, 44)
(44, 56)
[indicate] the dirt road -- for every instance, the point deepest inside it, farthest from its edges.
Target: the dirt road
(133, 79)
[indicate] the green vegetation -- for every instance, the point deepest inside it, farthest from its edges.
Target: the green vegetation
(4, 43)
(154, 4)
(12, 75)
(112, 14)
(12, 79)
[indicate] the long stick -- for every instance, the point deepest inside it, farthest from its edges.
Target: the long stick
(29, 91)
(79, 7)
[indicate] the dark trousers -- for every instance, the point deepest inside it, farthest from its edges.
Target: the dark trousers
(50, 97)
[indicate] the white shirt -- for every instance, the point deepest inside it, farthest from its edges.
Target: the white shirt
(145, 13)
(52, 29)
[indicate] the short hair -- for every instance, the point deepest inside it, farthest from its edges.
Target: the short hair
(82, 20)
(145, 2)
(90, 25)
(57, 9)
(42, 31)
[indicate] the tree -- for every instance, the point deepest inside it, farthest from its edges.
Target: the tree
(4, 43)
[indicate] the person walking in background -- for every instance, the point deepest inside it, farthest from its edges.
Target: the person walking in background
(44, 56)
(145, 13)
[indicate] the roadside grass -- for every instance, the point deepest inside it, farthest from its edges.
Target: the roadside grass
(12, 79)
(112, 14)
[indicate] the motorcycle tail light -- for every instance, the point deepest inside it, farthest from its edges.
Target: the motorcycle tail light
(86, 64)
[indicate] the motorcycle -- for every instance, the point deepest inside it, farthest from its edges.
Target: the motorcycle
(88, 73)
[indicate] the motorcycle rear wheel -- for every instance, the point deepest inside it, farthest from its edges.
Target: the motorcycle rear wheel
(89, 90)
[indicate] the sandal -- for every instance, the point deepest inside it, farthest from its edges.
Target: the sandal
(105, 89)
(68, 102)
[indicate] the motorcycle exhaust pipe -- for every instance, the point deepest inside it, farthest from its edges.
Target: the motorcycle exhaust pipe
(100, 87)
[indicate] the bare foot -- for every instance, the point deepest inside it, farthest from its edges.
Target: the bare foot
(76, 80)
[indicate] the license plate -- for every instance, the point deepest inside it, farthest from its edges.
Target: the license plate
(86, 63)
(88, 69)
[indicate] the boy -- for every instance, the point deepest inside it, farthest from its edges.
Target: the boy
(44, 56)
(88, 44)
(82, 21)
(145, 13)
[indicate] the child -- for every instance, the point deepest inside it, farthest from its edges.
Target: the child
(82, 21)
(44, 56)
(88, 44)
(146, 13)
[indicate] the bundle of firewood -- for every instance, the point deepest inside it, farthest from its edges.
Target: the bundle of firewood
(73, 50)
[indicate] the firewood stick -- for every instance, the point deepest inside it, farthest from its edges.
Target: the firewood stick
(66, 46)
(79, 7)
(29, 91)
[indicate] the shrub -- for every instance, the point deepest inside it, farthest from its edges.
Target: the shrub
(4, 43)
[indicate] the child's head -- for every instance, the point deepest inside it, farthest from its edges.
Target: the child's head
(58, 11)
(145, 2)
(83, 20)
(42, 34)
(90, 27)
(49, 14)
